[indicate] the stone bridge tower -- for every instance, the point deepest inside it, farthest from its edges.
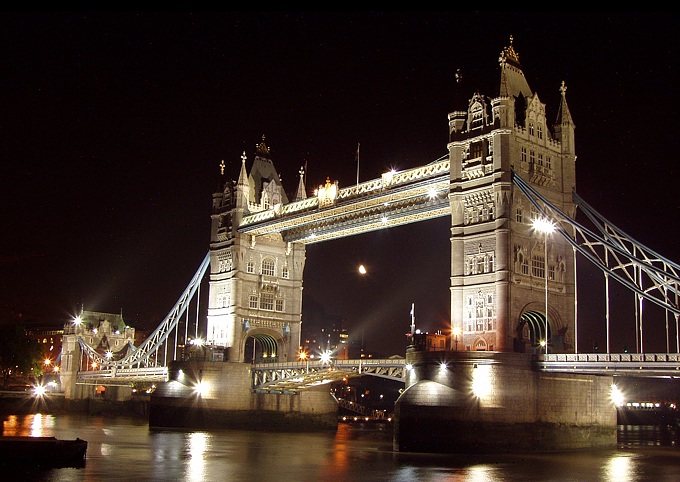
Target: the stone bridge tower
(255, 299)
(498, 265)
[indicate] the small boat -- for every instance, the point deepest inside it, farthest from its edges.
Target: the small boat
(42, 451)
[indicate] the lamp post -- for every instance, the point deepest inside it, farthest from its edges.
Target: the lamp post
(545, 226)
(456, 332)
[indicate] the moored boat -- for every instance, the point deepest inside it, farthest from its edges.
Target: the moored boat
(42, 451)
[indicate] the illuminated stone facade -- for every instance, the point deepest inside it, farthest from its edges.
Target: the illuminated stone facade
(498, 288)
(255, 299)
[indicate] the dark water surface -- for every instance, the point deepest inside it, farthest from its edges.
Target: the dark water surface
(125, 449)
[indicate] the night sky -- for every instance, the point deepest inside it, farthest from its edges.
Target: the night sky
(113, 126)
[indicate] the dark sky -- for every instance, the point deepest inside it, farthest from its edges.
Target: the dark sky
(113, 126)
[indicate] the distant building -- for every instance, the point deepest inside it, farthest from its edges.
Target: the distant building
(429, 341)
(105, 333)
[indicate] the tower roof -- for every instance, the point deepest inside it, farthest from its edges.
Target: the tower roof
(513, 81)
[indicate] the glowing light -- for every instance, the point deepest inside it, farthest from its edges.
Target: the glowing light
(383, 220)
(543, 225)
(94, 364)
(326, 357)
(432, 193)
(442, 366)
(362, 269)
(47, 362)
(109, 354)
(56, 368)
(408, 367)
(39, 390)
(303, 355)
(481, 381)
(77, 320)
(201, 388)
(327, 193)
(198, 342)
(617, 396)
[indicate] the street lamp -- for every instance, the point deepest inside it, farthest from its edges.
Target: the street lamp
(303, 356)
(545, 226)
(456, 332)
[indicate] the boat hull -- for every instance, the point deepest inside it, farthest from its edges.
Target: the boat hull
(42, 451)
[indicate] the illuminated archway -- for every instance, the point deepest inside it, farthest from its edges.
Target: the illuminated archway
(531, 329)
(261, 348)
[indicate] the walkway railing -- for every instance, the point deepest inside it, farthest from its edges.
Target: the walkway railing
(620, 364)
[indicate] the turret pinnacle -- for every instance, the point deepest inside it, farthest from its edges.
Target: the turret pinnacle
(564, 126)
(301, 191)
(242, 186)
(563, 114)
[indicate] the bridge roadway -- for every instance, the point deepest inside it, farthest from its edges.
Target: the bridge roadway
(295, 376)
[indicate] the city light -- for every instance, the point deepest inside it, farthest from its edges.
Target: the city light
(617, 396)
(326, 357)
(201, 388)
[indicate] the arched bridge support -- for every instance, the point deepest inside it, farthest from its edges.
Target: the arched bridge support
(220, 395)
(492, 402)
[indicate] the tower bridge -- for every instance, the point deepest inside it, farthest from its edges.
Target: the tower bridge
(513, 291)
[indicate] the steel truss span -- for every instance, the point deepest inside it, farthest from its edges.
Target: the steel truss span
(142, 363)
(296, 376)
(619, 256)
(397, 198)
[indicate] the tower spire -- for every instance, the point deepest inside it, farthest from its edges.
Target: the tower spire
(564, 125)
(242, 186)
(301, 190)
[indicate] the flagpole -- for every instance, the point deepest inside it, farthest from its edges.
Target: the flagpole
(413, 319)
(358, 144)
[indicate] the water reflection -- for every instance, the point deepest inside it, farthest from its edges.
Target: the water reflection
(196, 446)
(124, 448)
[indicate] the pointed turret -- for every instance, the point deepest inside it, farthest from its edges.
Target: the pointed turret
(242, 185)
(301, 191)
(564, 126)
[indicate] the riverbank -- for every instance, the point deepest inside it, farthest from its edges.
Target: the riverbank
(54, 403)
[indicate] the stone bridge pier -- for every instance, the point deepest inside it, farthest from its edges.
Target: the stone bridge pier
(492, 402)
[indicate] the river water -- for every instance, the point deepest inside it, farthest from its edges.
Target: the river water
(125, 449)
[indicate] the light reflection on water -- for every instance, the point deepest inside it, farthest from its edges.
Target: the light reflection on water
(125, 449)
